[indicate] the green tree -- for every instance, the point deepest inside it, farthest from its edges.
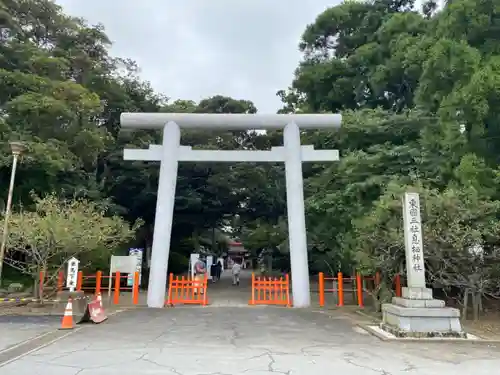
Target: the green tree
(44, 239)
(455, 221)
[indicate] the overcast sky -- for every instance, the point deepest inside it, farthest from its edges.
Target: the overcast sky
(193, 49)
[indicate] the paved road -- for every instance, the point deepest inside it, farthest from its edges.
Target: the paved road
(16, 329)
(224, 294)
(253, 341)
(230, 338)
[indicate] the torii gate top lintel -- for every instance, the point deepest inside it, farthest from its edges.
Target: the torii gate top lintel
(226, 121)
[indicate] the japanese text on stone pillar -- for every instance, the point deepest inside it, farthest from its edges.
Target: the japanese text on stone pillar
(413, 238)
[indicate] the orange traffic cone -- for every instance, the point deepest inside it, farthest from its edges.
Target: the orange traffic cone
(67, 320)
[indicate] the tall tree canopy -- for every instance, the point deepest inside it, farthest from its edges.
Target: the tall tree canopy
(418, 90)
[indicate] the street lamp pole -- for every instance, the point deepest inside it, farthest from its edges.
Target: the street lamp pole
(17, 148)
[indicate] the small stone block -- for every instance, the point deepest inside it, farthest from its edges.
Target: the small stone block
(455, 325)
(418, 303)
(417, 293)
(421, 320)
(15, 287)
(434, 303)
(404, 302)
(445, 312)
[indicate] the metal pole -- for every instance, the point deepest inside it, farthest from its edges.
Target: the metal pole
(7, 212)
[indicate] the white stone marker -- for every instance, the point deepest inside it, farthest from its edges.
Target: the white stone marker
(413, 241)
(416, 313)
(72, 274)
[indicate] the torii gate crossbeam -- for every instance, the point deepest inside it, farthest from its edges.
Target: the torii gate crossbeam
(171, 152)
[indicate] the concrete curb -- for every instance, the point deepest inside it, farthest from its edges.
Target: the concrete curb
(367, 328)
(375, 320)
(481, 340)
(377, 334)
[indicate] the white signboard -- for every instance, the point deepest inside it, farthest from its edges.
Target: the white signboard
(72, 274)
(123, 263)
(208, 263)
(137, 253)
(415, 267)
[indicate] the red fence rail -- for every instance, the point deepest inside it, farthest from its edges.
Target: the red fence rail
(111, 282)
(187, 291)
(357, 281)
(270, 291)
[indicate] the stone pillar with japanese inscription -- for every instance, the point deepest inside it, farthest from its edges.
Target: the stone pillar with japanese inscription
(415, 267)
(417, 313)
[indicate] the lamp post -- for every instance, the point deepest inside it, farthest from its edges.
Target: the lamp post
(17, 148)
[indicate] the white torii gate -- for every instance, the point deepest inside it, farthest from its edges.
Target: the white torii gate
(170, 153)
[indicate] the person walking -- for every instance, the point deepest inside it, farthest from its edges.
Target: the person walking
(236, 270)
(213, 272)
(218, 270)
(200, 270)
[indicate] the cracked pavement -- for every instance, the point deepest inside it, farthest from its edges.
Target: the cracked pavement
(237, 340)
(231, 338)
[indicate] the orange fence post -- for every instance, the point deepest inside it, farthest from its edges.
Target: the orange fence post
(205, 287)
(269, 291)
(321, 284)
(288, 303)
(359, 288)
(116, 297)
(340, 281)
(377, 279)
(79, 281)
(98, 278)
(170, 286)
(398, 285)
(41, 284)
(60, 281)
(135, 292)
(252, 301)
(187, 291)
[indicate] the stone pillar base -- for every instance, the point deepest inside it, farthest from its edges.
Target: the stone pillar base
(418, 315)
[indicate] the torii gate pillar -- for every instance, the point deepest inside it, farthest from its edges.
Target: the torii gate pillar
(296, 216)
(165, 201)
(293, 154)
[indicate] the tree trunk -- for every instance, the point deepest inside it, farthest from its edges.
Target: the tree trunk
(196, 241)
(476, 305)
(39, 285)
(270, 263)
(464, 304)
